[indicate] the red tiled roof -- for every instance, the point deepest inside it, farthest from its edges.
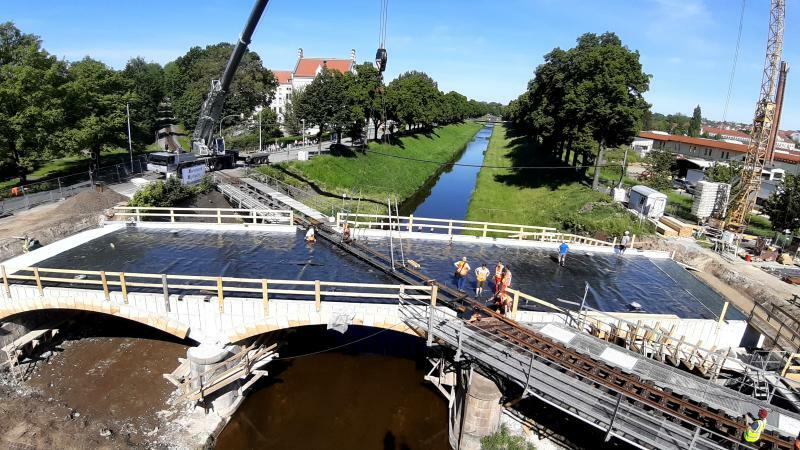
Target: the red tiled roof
(710, 143)
(283, 76)
(721, 131)
(307, 67)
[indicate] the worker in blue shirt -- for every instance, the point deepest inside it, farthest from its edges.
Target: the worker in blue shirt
(562, 253)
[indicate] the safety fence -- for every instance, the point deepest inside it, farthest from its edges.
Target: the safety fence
(471, 227)
(221, 287)
(217, 215)
(47, 191)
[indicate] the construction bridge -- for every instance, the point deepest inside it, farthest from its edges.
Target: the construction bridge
(637, 400)
(626, 395)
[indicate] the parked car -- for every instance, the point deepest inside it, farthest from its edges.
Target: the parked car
(683, 185)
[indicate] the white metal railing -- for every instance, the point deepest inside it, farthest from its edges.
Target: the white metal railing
(221, 215)
(264, 288)
(482, 229)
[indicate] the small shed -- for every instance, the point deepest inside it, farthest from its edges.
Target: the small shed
(647, 201)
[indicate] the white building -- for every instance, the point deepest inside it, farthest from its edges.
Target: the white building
(727, 134)
(305, 70)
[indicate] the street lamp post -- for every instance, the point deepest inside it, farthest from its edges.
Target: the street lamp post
(304, 131)
(130, 144)
(241, 116)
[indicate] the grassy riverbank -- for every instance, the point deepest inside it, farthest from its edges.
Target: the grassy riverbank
(373, 175)
(543, 197)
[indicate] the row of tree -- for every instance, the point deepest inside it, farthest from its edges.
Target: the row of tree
(345, 103)
(675, 123)
(50, 108)
(584, 99)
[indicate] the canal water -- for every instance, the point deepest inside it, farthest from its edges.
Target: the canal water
(368, 394)
(447, 195)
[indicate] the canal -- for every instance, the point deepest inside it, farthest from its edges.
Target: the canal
(447, 195)
(368, 392)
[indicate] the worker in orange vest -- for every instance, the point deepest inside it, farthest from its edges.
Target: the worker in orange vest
(498, 276)
(506, 280)
(462, 270)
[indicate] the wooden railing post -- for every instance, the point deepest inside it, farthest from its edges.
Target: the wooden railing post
(265, 295)
(722, 315)
(138, 217)
(633, 239)
(171, 215)
(38, 281)
(410, 223)
(521, 230)
(253, 215)
(220, 295)
(434, 295)
(485, 228)
(5, 282)
(104, 281)
(338, 220)
(317, 299)
(450, 228)
(123, 287)
(219, 215)
(165, 289)
(514, 305)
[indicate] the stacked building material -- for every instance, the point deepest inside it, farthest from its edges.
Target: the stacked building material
(710, 199)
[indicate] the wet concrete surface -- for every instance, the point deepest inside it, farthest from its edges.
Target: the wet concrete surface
(370, 395)
(659, 285)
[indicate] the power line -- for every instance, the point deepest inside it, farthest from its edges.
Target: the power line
(733, 67)
(484, 166)
(339, 346)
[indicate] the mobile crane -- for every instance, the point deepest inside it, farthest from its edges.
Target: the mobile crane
(208, 152)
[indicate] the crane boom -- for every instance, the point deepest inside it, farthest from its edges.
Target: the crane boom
(758, 150)
(212, 106)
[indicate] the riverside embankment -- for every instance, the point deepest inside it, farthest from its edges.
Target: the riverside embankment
(382, 171)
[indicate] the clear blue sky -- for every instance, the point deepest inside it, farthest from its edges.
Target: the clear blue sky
(486, 50)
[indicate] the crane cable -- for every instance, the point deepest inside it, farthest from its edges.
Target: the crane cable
(733, 67)
(383, 20)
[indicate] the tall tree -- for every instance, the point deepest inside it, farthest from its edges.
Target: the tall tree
(364, 91)
(783, 207)
(31, 109)
(412, 99)
(95, 99)
(292, 121)
(325, 103)
(696, 122)
(188, 79)
(147, 83)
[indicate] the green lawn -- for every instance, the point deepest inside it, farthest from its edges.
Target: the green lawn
(542, 197)
(70, 165)
(374, 176)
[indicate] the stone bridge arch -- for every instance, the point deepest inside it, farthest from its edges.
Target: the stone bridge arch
(152, 319)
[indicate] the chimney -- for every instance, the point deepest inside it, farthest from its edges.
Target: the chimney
(353, 54)
(300, 53)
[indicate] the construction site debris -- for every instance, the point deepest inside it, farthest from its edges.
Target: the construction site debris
(89, 202)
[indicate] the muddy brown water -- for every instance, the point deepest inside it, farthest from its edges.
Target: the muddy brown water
(370, 395)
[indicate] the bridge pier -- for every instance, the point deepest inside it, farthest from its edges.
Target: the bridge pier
(476, 410)
(206, 361)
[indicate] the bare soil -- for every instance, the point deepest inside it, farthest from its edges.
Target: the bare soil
(55, 221)
(102, 387)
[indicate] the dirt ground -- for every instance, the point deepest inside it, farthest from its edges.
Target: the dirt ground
(101, 387)
(54, 221)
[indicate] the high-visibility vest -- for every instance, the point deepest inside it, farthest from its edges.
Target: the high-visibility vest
(481, 274)
(753, 432)
(462, 268)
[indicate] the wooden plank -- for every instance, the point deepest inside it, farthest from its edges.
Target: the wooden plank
(123, 287)
(103, 280)
(38, 281)
(265, 296)
(6, 286)
(220, 295)
(317, 299)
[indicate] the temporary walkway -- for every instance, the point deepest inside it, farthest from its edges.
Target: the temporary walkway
(624, 394)
(284, 199)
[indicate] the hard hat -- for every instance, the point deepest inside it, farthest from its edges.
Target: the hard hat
(762, 413)
(627, 233)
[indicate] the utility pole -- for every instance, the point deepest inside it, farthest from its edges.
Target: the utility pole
(259, 128)
(130, 145)
(304, 131)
